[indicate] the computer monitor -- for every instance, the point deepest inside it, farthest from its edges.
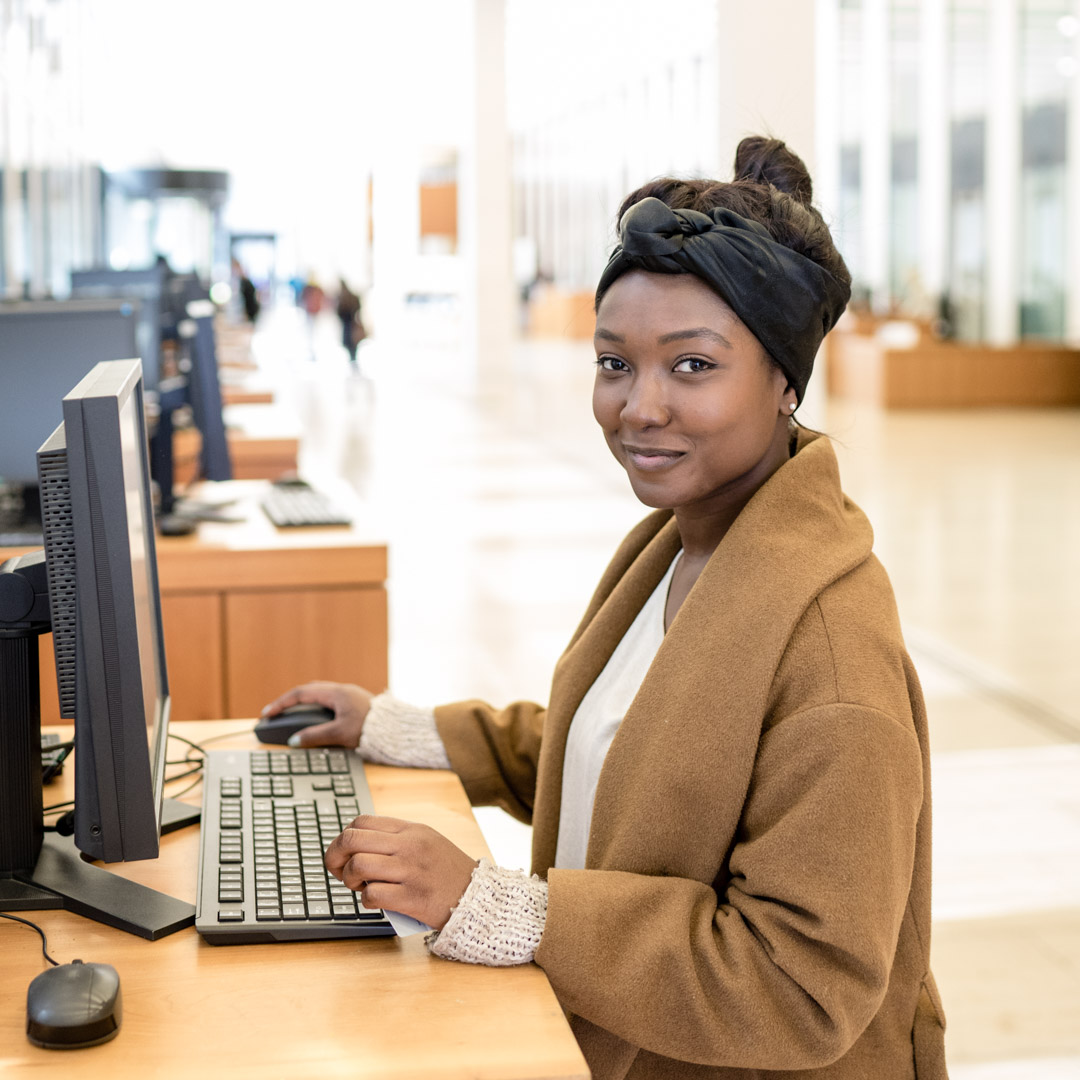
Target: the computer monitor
(204, 388)
(148, 287)
(99, 573)
(45, 349)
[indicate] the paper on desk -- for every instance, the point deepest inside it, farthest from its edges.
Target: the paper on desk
(406, 925)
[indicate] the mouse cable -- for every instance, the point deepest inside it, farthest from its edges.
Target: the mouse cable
(187, 759)
(191, 787)
(34, 926)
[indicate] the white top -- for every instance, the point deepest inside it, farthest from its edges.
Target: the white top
(597, 720)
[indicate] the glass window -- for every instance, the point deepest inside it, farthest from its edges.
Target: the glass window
(1047, 64)
(969, 39)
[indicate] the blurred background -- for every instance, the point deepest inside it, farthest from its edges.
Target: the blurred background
(399, 212)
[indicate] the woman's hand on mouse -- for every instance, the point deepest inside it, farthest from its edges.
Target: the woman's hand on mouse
(350, 704)
(401, 866)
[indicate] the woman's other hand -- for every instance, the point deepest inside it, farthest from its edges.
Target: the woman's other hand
(350, 704)
(401, 866)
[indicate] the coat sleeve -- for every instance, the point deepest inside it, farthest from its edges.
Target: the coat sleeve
(784, 963)
(494, 752)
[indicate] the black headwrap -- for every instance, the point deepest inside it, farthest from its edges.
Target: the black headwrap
(787, 301)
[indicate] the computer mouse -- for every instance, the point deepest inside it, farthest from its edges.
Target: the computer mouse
(176, 525)
(277, 729)
(73, 1005)
(291, 480)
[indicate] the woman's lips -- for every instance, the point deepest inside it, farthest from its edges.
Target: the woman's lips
(648, 458)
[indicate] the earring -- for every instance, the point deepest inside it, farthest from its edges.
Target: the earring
(792, 406)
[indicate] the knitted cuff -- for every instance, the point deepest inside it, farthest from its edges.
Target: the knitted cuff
(398, 734)
(498, 922)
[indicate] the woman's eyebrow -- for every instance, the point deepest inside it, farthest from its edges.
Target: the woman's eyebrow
(697, 332)
(608, 335)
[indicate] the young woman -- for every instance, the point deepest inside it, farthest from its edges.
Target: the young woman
(729, 788)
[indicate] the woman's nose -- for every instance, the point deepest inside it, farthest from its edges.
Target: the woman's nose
(646, 404)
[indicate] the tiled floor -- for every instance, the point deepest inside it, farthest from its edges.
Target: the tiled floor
(501, 507)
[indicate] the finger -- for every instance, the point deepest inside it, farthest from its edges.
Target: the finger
(328, 734)
(306, 694)
(355, 842)
(377, 823)
(288, 698)
(387, 895)
(367, 867)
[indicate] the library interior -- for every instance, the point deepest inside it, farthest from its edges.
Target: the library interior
(312, 413)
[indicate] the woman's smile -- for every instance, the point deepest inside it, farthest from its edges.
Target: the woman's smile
(648, 459)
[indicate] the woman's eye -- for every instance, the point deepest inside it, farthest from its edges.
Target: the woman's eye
(611, 363)
(693, 365)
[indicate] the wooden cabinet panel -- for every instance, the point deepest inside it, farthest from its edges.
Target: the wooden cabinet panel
(193, 654)
(276, 639)
(50, 700)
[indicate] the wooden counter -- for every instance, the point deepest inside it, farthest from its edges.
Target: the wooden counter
(249, 610)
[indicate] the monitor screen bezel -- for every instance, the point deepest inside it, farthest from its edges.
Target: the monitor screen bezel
(118, 793)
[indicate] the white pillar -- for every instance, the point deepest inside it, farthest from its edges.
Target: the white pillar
(827, 108)
(752, 104)
(484, 198)
(934, 114)
(876, 138)
(1072, 202)
(1003, 175)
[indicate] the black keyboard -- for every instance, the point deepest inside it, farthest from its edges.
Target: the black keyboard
(290, 507)
(268, 817)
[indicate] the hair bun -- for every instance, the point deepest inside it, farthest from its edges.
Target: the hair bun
(769, 161)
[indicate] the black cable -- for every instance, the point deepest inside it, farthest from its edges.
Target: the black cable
(34, 926)
(58, 807)
(224, 735)
(191, 746)
(186, 773)
(191, 787)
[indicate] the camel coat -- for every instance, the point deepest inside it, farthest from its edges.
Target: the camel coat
(756, 896)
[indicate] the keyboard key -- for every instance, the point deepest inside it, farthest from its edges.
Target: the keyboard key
(230, 915)
(318, 910)
(293, 911)
(264, 913)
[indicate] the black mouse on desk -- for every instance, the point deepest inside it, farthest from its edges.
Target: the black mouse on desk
(277, 729)
(73, 1005)
(176, 525)
(291, 480)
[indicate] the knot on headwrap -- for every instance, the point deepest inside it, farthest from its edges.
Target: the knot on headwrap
(787, 301)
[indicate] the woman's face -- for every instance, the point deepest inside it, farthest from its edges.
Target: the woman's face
(688, 400)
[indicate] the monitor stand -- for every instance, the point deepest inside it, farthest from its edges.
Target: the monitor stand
(44, 871)
(62, 879)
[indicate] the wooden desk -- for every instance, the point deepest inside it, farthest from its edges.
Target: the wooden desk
(363, 1009)
(250, 610)
(252, 456)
